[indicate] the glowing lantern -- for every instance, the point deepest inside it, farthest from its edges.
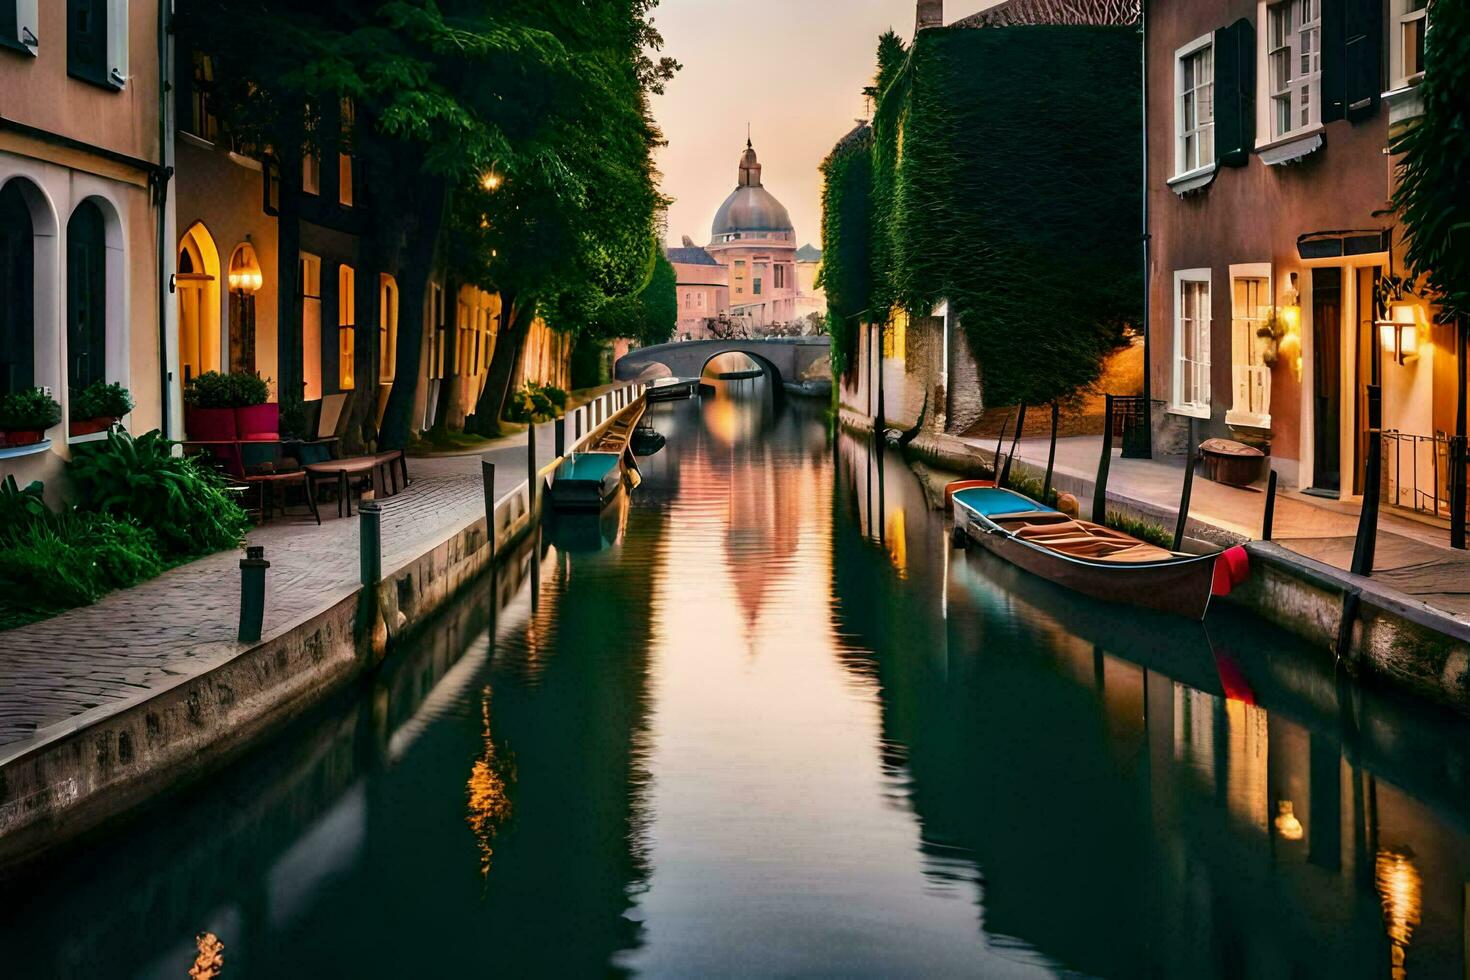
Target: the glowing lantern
(1399, 334)
(245, 276)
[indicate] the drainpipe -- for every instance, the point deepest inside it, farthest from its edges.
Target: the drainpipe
(1148, 365)
(160, 194)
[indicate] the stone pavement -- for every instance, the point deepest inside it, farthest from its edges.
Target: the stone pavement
(62, 673)
(1412, 557)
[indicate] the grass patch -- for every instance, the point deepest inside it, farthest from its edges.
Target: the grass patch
(1031, 487)
(444, 441)
(1143, 530)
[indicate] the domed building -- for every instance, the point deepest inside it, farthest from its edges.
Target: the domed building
(752, 237)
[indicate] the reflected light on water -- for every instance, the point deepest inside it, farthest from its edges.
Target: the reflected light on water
(211, 959)
(489, 804)
(897, 541)
(1401, 891)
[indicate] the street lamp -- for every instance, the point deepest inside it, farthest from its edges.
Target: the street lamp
(245, 276)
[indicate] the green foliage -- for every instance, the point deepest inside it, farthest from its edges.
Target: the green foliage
(293, 418)
(101, 400)
(1031, 486)
(238, 389)
(1005, 178)
(647, 316)
(1433, 195)
(21, 506)
(536, 403)
(178, 499)
(847, 215)
(28, 409)
(1143, 530)
(54, 562)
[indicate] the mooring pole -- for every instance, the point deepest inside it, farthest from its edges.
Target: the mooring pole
(561, 436)
(1015, 441)
(1268, 520)
(252, 593)
(1184, 495)
(1051, 454)
(370, 537)
(1367, 540)
(487, 477)
(1100, 491)
(878, 419)
(1000, 441)
(531, 476)
(1459, 454)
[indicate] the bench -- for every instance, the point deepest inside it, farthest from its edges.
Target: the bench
(342, 470)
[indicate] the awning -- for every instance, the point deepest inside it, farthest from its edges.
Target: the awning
(1340, 244)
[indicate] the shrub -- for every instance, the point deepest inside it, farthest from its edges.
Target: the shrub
(181, 501)
(239, 389)
(60, 561)
(1141, 529)
(558, 396)
(535, 403)
(101, 400)
(293, 418)
(29, 409)
(20, 508)
(1031, 487)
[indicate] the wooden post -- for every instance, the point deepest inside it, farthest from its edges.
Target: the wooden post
(561, 436)
(878, 419)
(1367, 539)
(1100, 491)
(1184, 495)
(1268, 520)
(487, 476)
(1000, 441)
(531, 469)
(1051, 454)
(1015, 440)
(1459, 454)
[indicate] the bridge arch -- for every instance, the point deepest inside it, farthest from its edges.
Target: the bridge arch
(782, 358)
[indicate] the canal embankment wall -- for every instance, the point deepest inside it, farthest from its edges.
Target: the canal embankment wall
(111, 761)
(1358, 623)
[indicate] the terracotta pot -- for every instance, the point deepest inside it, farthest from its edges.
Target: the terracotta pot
(209, 424)
(14, 438)
(85, 427)
(258, 421)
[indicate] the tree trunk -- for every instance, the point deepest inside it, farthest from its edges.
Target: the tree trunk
(510, 344)
(421, 224)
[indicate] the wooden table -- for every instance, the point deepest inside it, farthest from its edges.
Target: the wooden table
(342, 470)
(267, 483)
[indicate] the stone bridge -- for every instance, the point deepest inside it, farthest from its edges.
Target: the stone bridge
(787, 359)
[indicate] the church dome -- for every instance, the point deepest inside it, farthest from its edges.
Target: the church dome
(750, 208)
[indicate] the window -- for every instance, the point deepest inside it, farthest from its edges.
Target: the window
(311, 157)
(1192, 342)
(780, 277)
(18, 286)
(1411, 21)
(757, 285)
(96, 41)
(387, 328)
(19, 25)
(1294, 65)
(346, 326)
(344, 159)
(1250, 314)
(202, 122)
(1194, 110)
(311, 326)
(437, 328)
(86, 296)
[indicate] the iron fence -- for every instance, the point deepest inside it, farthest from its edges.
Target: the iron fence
(1416, 472)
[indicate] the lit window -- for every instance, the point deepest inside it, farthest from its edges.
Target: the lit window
(346, 326)
(202, 122)
(1194, 108)
(1192, 342)
(387, 328)
(1294, 64)
(344, 160)
(1250, 316)
(311, 159)
(1411, 22)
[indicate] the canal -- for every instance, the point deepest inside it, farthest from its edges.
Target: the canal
(761, 719)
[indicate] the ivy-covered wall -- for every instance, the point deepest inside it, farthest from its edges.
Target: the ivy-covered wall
(1006, 177)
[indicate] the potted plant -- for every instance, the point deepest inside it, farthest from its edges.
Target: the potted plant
(96, 407)
(209, 407)
(25, 416)
(255, 417)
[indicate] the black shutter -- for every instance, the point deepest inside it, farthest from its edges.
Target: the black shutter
(1362, 57)
(1235, 93)
(1334, 60)
(86, 40)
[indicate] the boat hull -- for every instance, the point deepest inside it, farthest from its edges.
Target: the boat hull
(1182, 586)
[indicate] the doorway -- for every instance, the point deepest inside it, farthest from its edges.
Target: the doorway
(197, 282)
(1326, 382)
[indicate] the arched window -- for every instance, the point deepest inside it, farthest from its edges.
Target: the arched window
(86, 296)
(197, 288)
(387, 328)
(245, 278)
(346, 327)
(18, 287)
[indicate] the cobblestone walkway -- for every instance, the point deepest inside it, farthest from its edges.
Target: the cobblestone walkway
(65, 672)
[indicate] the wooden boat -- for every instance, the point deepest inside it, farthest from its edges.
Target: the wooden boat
(588, 479)
(671, 389)
(1087, 557)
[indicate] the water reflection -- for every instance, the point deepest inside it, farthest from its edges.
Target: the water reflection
(761, 719)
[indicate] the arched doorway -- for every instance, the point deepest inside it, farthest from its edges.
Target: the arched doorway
(86, 296)
(199, 303)
(245, 278)
(18, 286)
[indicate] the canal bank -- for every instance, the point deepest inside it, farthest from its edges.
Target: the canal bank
(105, 707)
(1368, 625)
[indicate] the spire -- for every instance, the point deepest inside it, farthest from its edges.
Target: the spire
(750, 167)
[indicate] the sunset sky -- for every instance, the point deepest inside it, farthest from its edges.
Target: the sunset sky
(793, 69)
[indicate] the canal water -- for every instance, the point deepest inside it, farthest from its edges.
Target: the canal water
(762, 719)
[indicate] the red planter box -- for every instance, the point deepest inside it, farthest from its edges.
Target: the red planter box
(85, 427)
(258, 421)
(210, 424)
(14, 438)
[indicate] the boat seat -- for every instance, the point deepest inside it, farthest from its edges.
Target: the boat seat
(1139, 553)
(1039, 530)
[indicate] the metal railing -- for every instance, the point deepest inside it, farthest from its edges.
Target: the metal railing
(1416, 472)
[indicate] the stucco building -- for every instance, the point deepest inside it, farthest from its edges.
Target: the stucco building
(83, 206)
(1273, 248)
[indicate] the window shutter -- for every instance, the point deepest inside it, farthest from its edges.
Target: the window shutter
(1334, 60)
(1362, 57)
(1235, 93)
